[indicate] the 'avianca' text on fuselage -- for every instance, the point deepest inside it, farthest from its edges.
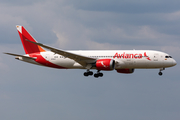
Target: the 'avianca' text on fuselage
(123, 61)
(127, 56)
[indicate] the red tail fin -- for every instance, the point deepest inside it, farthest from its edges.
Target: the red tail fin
(28, 47)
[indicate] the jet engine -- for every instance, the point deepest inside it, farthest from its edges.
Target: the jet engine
(105, 64)
(126, 71)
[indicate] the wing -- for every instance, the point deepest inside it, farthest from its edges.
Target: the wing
(20, 56)
(83, 60)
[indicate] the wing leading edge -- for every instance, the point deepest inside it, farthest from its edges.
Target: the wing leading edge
(83, 60)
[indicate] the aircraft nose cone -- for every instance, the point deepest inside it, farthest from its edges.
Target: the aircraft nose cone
(174, 62)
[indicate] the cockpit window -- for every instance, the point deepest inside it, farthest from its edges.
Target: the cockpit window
(168, 57)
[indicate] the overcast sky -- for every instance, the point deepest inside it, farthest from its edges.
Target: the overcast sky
(29, 92)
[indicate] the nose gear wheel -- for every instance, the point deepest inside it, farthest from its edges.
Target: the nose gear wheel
(160, 73)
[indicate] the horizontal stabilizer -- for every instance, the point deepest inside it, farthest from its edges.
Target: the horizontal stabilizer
(20, 56)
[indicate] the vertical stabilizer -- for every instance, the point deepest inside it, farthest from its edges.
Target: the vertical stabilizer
(28, 47)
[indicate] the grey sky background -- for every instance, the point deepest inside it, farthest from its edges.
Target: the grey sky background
(34, 92)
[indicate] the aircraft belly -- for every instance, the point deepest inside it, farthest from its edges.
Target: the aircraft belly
(68, 63)
(124, 64)
(28, 60)
(141, 64)
(155, 64)
(148, 64)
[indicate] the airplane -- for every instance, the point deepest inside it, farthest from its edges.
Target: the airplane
(123, 61)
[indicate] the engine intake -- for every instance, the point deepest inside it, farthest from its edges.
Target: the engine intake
(105, 64)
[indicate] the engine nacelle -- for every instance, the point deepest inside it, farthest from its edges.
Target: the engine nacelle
(105, 64)
(125, 71)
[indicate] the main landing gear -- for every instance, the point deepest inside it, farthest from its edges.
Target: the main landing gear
(88, 73)
(96, 75)
(160, 73)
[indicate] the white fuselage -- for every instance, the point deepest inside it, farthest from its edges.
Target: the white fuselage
(123, 58)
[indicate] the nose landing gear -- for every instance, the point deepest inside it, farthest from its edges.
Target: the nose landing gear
(160, 73)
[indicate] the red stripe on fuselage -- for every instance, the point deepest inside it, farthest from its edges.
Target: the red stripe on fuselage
(43, 61)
